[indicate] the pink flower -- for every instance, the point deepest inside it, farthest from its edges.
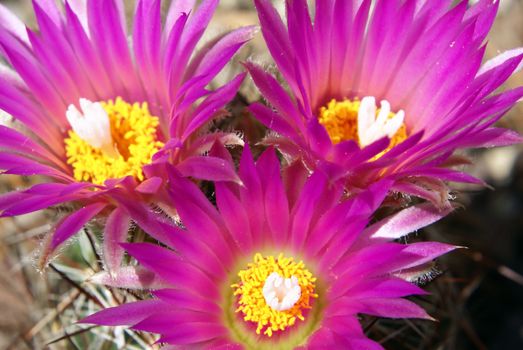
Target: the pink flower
(105, 109)
(385, 89)
(276, 265)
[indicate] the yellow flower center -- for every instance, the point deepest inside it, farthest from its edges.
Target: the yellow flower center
(362, 122)
(129, 143)
(274, 292)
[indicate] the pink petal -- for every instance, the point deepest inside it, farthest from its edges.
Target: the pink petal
(208, 168)
(116, 230)
(235, 216)
(150, 186)
(130, 277)
(12, 24)
(391, 308)
(406, 221)
(69, 226)
(500, 59)
(196, 332)
(187, 300)
(126, 314)
(175, 269)
(420, 253)
(276, 205)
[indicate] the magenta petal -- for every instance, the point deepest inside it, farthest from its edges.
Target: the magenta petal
(321, 338)
(151, 222)
(438, 196)
(493, 137)
(197, 24)
(129, 277)
(159, 228)
(14, 101)
(234, 215)
(51, 10)
(385, 287)
(108, 33)
(391, 308)
(79, 9)
(305, 208)
(116, 229)
(176, 9)
(320, 141)
(500, 59)
(445, 174)
(368, 201)
(371, 260)
(406, 221)
(77, 28)
(219, 344)
(195, 332)
(166, 322)
(69, 226)
(276, 96)
(174, 72)
(51, 47)
(348, 326)
(13, 140)
(187, 300)
(276, 204)
(208, 168)
(20, 165)
(363, 344)
(126, 314)
(172, 268)
(276, 37)
(147, 37)
(294, 176)
(202, 219)
(204, 143)
(27, 67)
(11, 23)
(150, 185)
(329, 225)
(272, 120)
(219, 150)
(221, 53)
(420, 253)
(49, 189)
(251, 194)
(7, 199)
(210, 60)
(163, 323)
(34, 203)
(212, 104)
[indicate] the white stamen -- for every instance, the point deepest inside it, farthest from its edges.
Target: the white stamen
(281, 293)
(92, 126)
(370, 128)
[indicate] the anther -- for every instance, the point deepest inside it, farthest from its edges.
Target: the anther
(281, 293)
(372, 128)
(92, 125)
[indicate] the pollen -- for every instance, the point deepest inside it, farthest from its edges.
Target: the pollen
(129, 143)
(274, 293)
(362, 122)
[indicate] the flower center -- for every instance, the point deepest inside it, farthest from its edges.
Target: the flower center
(362, 122)
(281, 293)
(274, 292)
(110, 140)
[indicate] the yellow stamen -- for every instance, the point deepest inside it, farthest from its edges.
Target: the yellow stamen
(134, 134)
(252, 303)
(340, 119)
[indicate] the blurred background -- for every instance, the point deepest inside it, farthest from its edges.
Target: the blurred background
(476, 293)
